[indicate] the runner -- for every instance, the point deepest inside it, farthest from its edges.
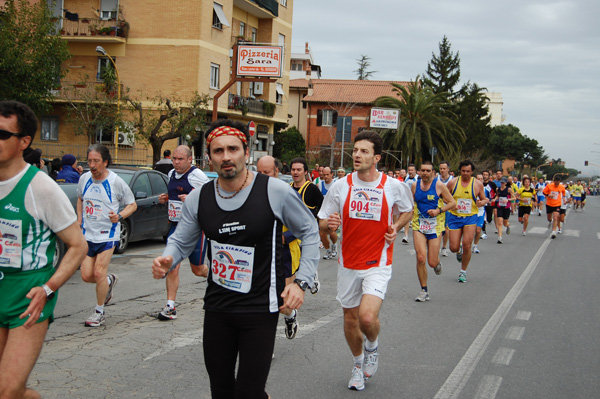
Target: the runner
(554, 191)
(241, 213)
(324, 186)
(310, 195)
(432, 200)
(503, 197)
(445, 178)
(340, 173)
(480, 221)
(33, 211)
(362, 204)
(409, 180)
(183, 178)
(462, 220)
(539, 187)
(490, 189)
(100, 195)
(565, 201)
(577, 191)
(515, 184)
(527, 200)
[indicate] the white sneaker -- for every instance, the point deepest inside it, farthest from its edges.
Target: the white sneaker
(524, 233)
(333, 251)
(483, 236)
(405, 240)
(444, 252)
(316, 284)
(475, 250)
(438, 269)
(422, 297)
(559, 231)
(357, 381)
(553, 235)
(95, 320)
(370, 363)
(327, 254)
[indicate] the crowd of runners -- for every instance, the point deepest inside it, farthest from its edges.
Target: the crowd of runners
(253, 237)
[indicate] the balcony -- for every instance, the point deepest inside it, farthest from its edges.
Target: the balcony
(93, 29)
(84, 91)
(247, 104)
(260, 8)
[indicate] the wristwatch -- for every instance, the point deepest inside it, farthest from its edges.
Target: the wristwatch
(49, 292)
(302, 284)
(120, 217)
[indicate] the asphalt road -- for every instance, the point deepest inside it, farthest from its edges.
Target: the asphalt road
(525, 325)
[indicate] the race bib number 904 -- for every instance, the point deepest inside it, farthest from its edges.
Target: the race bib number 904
(366, 203)
(232, 266)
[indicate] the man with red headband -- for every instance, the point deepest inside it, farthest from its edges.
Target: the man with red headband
(241, 214)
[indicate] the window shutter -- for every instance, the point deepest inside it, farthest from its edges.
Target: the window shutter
(334, 118)
(319, 117)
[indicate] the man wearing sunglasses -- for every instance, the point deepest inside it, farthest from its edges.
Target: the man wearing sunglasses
(33, 211)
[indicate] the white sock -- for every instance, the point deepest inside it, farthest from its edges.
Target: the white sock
(100, 309)
(358, 360)
(291, 315)
(171, 304)
(371, 346)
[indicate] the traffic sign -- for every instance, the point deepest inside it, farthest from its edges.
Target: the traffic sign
(251, 128)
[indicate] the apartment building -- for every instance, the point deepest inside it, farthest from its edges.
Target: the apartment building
(170, 48)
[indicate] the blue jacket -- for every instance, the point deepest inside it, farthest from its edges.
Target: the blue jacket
(67, 175)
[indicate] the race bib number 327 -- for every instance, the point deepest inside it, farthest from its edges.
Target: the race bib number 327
(232, 266)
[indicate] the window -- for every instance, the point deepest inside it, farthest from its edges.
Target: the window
(326, 117)
(214, 76)
(158, 184)
(254, 33)
(219, 18)
(281, 40)
(103, 62)
(297, 66)
(105, 134)
(142, 184)
(49, 128)
(279, 93)
(242, 29)
(283, 2)
(109, 9)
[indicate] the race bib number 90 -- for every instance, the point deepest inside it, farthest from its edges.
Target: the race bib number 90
(232, 266)
(365, 203)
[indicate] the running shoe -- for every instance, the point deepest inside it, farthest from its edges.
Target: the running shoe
(357, 382)
(95, 320)
(114, 279)
(559, 231)
(291, 326)
(508, 229)
(370, 363)
(321, 246)
(327, 254)
(168, 313)
(553, 235)
(549, 224)
(524, 233)
(459, 255)
(422, 297)
(333, 251)
(483, 236)
(462, 277)
(405, 240)
(444, 252)
(438, 269)
(499, 240)
(316, 284)
(475, 249)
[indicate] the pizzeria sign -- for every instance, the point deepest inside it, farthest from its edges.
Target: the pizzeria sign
(259, 61)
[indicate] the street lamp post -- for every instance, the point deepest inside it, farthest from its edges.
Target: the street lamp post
(100, 49)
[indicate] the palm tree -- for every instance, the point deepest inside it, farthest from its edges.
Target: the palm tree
(425, 122)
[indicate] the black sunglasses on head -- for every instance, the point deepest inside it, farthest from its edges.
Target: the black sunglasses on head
(5, 134)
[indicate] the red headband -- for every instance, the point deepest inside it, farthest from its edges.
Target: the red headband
(226, 131)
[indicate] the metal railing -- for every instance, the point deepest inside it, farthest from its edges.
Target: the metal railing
(92, 27)
(140, 155)
(246, 104)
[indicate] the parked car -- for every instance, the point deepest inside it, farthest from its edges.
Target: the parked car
(149, 220)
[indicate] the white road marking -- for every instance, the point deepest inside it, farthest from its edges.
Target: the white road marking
(523, 315)
(503, 356)
(456, 381)
(515, 333)
(598, 235)
(305, 329)
(187, 339)
(571, 233)
(488, 388)
(537, 230)
(411, 251)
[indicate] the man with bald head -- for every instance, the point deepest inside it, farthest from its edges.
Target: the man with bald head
(183, 178)
(267, 165)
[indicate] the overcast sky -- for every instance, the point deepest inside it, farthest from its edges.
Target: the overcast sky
(542, 56)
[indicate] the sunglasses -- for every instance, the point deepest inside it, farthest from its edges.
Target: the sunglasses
(5, 134)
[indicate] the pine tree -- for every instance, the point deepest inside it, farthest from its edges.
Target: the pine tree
(363, 65)
(443, 71)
